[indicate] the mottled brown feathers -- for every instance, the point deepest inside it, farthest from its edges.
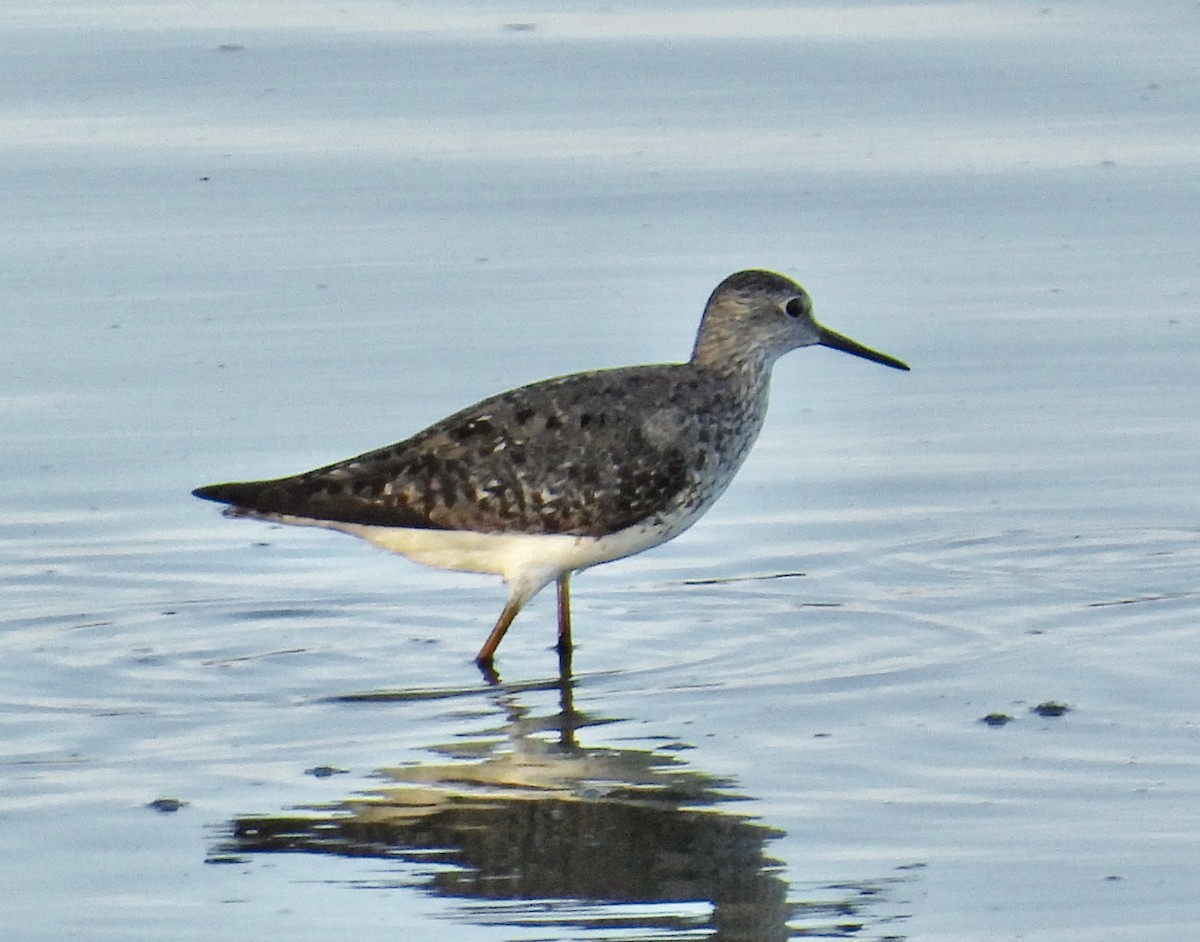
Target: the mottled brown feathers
(516, 462)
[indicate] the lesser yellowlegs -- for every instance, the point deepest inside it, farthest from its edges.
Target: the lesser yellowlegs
(548, 479)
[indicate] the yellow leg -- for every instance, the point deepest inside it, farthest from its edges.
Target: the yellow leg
(488, 651)
(564, 612)
(513, 606)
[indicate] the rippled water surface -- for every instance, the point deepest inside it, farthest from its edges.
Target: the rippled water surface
(927, 671)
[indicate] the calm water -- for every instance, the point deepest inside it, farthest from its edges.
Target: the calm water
(247, 239)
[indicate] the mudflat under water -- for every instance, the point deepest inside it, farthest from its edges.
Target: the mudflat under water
(247, 239)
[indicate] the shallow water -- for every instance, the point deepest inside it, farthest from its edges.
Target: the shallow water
(253, 238)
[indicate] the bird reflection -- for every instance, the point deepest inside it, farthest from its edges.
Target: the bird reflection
(522, 822)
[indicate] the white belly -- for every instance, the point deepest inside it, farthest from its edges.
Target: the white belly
(527, 560)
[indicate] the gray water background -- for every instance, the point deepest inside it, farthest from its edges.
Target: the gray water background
(248, 239)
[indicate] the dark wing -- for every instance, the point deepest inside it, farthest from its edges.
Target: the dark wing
(585, 455)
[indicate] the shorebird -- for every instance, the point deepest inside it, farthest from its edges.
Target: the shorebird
(548, 479)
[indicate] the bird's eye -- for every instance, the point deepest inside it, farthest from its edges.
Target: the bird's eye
(795, 307)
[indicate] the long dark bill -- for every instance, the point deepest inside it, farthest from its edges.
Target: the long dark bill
(830, 338)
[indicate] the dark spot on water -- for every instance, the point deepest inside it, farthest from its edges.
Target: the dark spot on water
(1130, 601)
(325, 771)
(166, 805)
(996, 719)
(1050, 708)
(727, 580)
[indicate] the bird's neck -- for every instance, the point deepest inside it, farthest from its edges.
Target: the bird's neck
(732, 361)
